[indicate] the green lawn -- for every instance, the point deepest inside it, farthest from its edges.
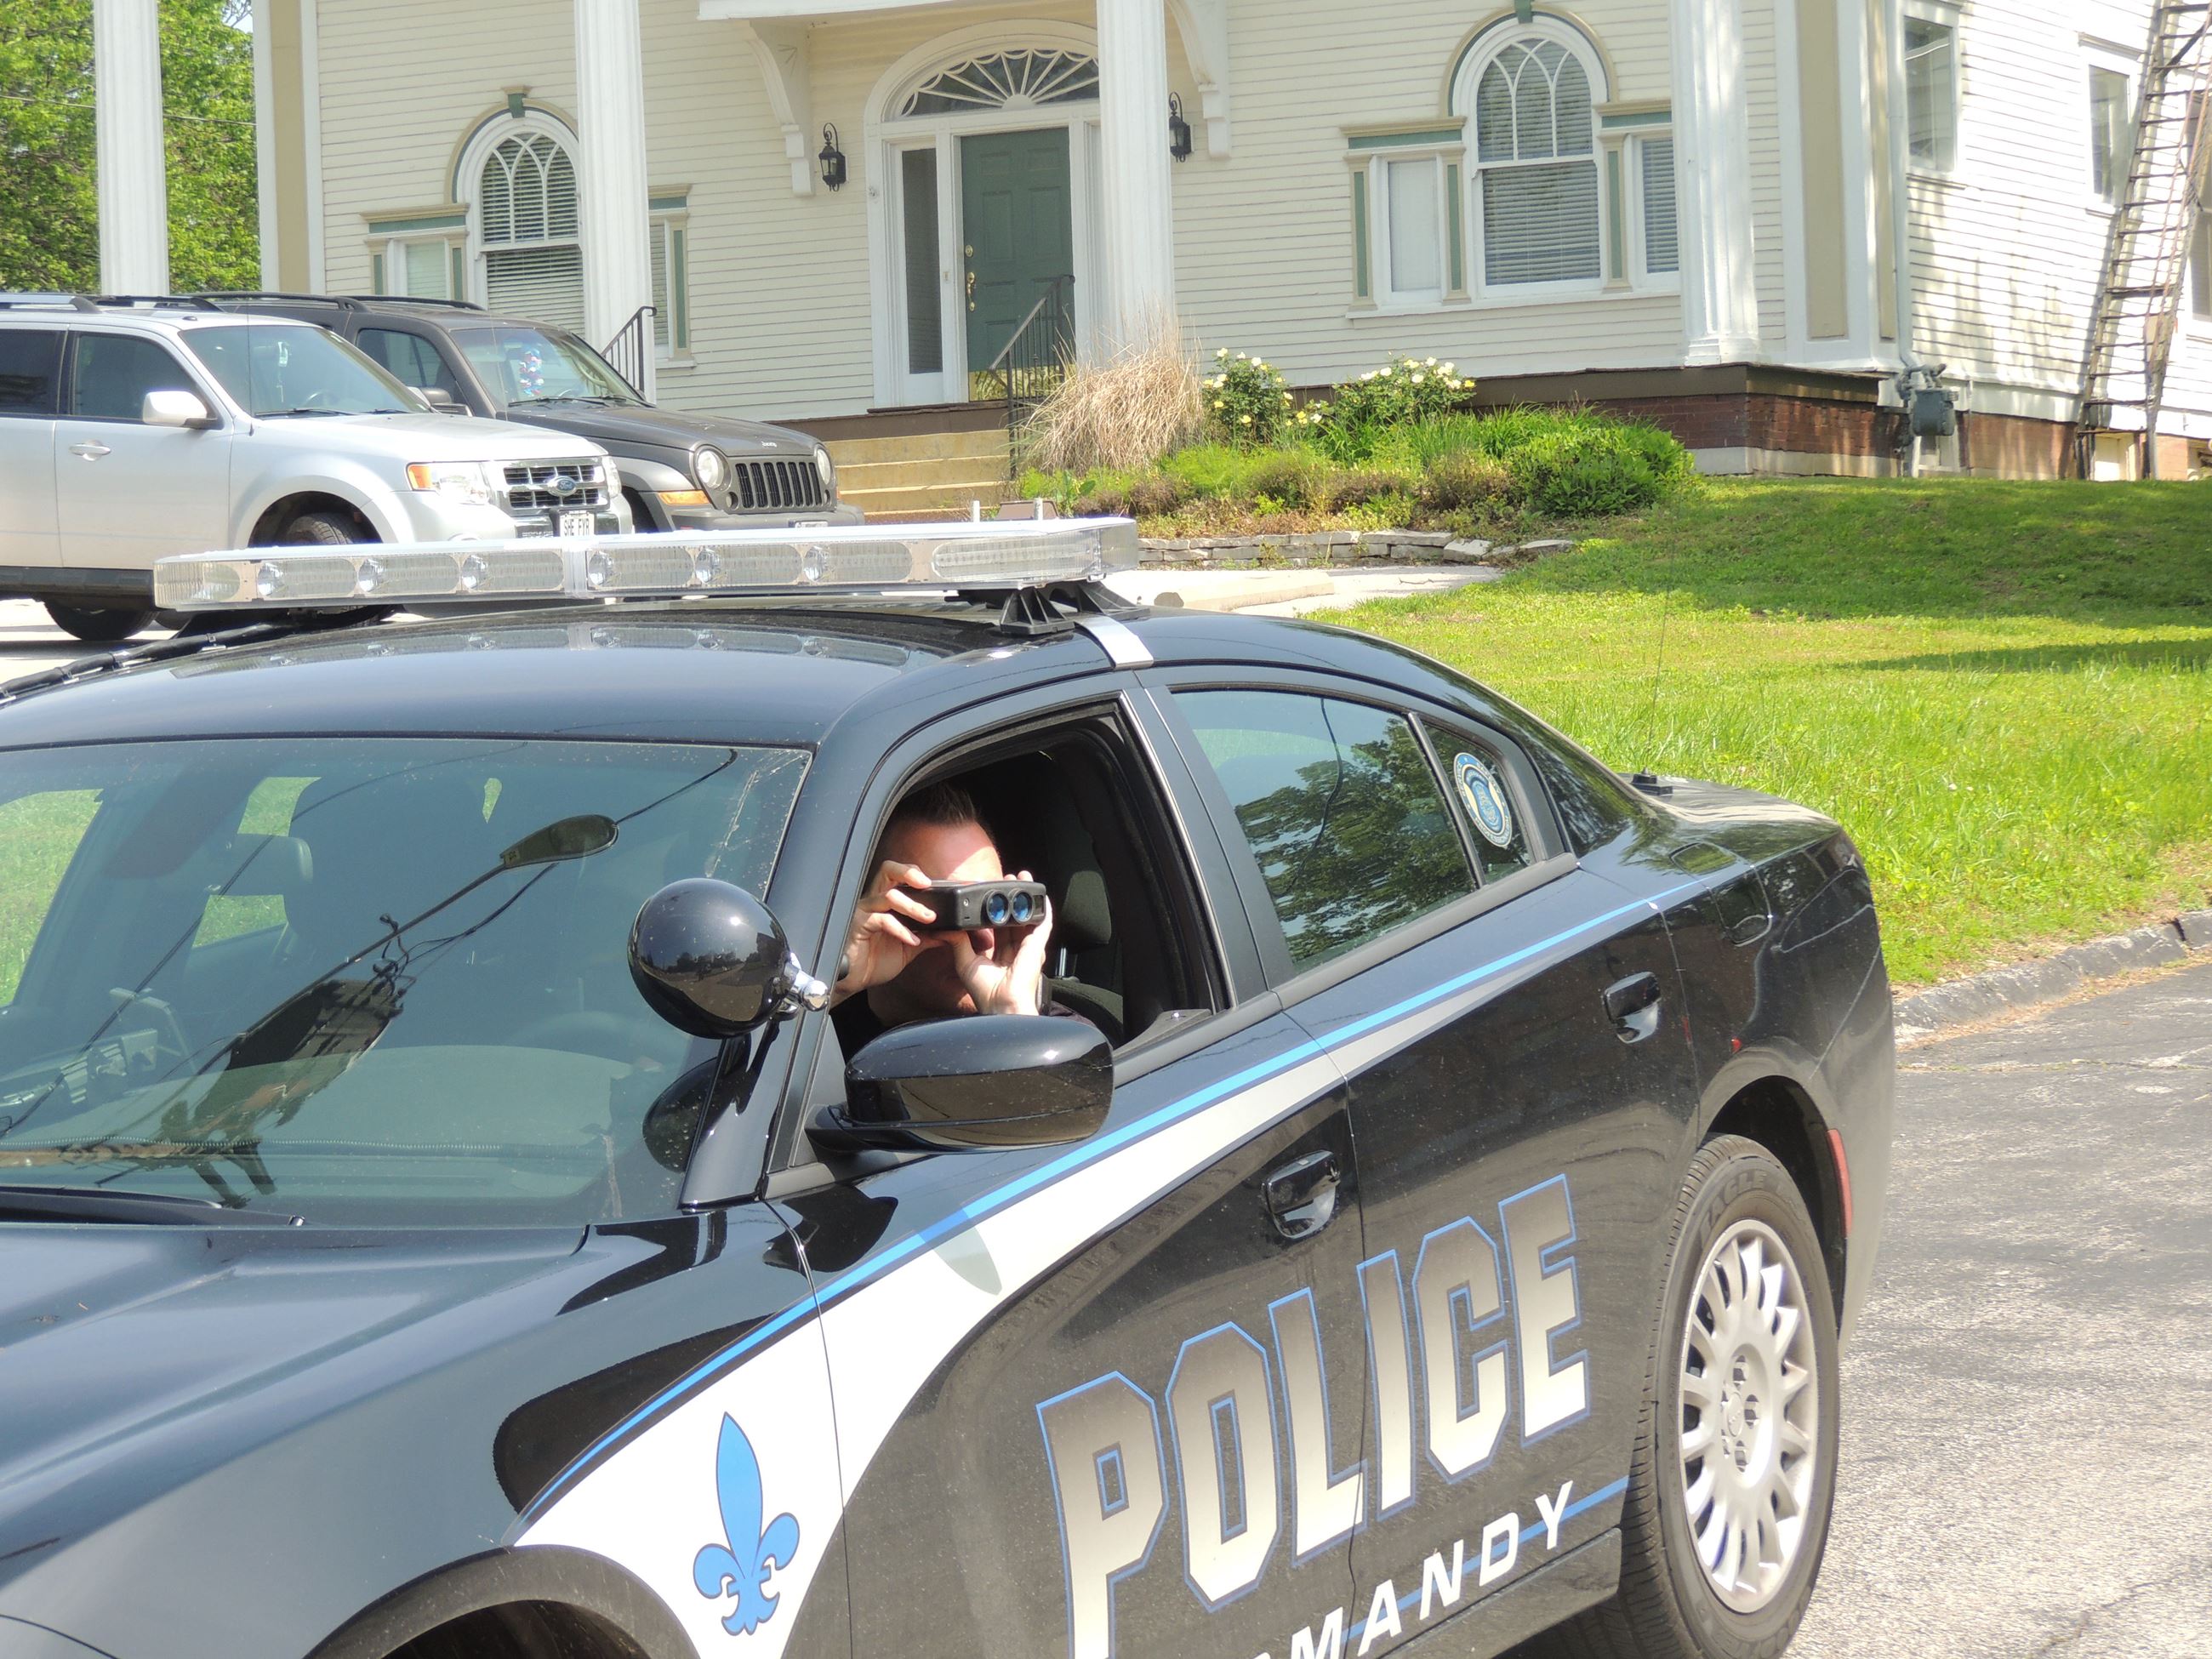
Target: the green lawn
(2001, 689)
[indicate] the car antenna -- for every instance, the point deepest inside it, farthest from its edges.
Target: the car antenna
(1647, 780)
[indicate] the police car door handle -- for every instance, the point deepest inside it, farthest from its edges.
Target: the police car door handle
(1301, 1196)
(1632, 1005)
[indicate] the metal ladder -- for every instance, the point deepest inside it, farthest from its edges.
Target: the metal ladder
(2146, 259)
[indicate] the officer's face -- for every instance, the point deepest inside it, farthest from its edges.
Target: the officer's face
(957, 851)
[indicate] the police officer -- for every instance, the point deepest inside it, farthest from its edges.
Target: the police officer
(895, 974)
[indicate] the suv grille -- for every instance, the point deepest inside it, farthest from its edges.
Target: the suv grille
(772, 486)
(530, 487)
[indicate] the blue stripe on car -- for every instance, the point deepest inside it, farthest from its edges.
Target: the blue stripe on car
(1075, 1158)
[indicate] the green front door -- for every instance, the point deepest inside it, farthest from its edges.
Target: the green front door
(1018, 225)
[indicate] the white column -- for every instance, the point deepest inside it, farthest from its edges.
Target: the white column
(1137, 218)
(133, 166)
(1712, 153)
(611, 169)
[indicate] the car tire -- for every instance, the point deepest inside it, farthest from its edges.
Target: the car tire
(95, 625)
(1738, 1210)
(320, 530)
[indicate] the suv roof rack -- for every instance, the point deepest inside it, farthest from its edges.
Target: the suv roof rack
(151, 302)
(30, 302)
(222, 295)
(412, 299)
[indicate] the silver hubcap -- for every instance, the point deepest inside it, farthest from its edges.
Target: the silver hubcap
(1751, 1415)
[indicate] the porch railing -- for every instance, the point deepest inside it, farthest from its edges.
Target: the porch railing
(626, 352)
(1033, 362)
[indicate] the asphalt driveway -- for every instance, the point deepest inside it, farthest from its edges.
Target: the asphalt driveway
(2028, 1430)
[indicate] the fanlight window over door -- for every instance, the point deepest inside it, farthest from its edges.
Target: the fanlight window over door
(526, 225)
(1536, 161)
(1007, 79)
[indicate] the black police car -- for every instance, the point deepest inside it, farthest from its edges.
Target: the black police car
(680, 471)
(437, 1218)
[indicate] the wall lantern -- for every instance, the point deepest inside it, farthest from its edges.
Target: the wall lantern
(832, 158)
(1178, 129)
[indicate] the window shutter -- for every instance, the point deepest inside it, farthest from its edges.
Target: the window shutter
(545, 284)
(664, 314)
(1541, 224)
(1662, 246)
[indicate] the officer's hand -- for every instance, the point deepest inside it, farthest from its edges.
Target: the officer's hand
(1011, 979)
(880, 944)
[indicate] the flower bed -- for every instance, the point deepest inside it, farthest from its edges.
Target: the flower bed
(1390, 450)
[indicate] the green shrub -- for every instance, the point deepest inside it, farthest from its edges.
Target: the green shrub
(1246, 403)
(1106, 500)
(1466, 480)
(1288, 478)
(1604, 470)
(1210, 470)
(1361, 485)
(1157, 495)
(1349, 427)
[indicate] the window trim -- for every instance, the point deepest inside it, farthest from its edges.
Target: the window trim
(1943, 14)
(670, 225)
(469, 177)
(2127, 66)
(1640, 277)
(1449, 160)
(1467, 80)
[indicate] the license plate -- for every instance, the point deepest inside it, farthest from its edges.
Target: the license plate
(578, 523)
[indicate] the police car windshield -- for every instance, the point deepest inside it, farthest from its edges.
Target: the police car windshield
(375, 981)
(277, 370)
(540, 366)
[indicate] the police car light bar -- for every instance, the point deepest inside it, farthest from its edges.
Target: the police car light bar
(991, 554)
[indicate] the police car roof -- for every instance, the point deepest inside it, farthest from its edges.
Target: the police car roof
(748, 671)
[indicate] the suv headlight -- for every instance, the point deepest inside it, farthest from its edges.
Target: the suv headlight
(828, 471)
(468, 481)
(710, 467)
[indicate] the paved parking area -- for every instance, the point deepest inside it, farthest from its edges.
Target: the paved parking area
(2028, 1429)
(29, 642)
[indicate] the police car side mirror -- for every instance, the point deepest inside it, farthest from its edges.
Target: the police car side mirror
(978, 1084)
(710, 959)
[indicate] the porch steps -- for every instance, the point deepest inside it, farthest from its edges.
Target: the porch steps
(924, 474)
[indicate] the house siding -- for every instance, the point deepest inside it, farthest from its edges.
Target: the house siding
(2008, 251)
(2005, 252)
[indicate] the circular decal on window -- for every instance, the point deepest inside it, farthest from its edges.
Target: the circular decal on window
(1485, 800)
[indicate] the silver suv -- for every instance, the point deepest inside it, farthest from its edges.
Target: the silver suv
(132, 430)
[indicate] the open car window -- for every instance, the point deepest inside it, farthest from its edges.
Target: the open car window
(353, 980)
(1074, 806)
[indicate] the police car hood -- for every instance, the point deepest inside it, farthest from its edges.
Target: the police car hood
(134, 1359)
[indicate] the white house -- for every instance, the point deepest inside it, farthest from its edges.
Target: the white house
(1692, 209)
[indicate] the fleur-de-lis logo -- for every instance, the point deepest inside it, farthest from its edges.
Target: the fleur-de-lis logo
(741, 1564)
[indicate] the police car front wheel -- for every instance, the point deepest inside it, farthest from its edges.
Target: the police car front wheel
(1734, 1476)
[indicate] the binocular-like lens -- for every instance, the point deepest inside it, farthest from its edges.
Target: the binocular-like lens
(994, 908)
(1022, 905)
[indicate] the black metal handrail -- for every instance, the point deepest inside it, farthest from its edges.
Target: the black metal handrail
(1035, 361)
(626, 352)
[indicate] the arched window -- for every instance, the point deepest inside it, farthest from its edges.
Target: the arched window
(1008, 80)
(533, 264)
(1536, 163)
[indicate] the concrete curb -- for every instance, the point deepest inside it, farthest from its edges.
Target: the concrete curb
(1963, 1001)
